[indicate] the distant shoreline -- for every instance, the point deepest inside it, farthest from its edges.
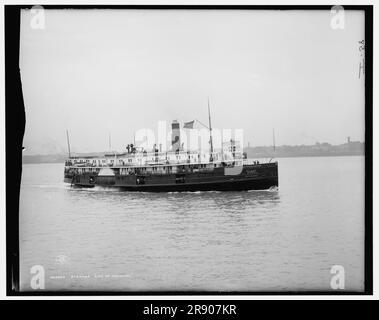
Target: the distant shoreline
(351, 148)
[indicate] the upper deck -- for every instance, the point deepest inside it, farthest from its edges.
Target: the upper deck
(143, 159)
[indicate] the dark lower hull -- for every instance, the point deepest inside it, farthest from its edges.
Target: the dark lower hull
(254, 177)
(240, 185)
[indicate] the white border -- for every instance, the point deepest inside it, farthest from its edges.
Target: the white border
(177, 297)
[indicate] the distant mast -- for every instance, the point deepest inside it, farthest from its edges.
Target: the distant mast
(273, 138)
(210, 132)
(68, 144)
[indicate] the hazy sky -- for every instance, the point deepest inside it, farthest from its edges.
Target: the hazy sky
(99, 71)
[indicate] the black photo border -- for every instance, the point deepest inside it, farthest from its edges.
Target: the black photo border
(15, 124)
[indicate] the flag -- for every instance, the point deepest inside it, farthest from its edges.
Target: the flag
(189, 125)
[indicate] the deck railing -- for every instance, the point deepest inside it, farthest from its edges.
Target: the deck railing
(150, 159)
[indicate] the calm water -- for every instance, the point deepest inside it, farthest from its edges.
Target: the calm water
(287, 239)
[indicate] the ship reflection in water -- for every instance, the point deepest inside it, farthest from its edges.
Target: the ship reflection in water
(277, 239)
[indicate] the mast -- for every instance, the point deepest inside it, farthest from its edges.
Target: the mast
(210, 132)
(110, 144)
(273, 138)
(68, 144)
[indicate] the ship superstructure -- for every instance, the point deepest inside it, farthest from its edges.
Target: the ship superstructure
(175, 170)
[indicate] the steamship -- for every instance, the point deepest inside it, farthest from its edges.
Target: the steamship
(174, 170)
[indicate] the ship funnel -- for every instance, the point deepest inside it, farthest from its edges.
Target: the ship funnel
(175, 136)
